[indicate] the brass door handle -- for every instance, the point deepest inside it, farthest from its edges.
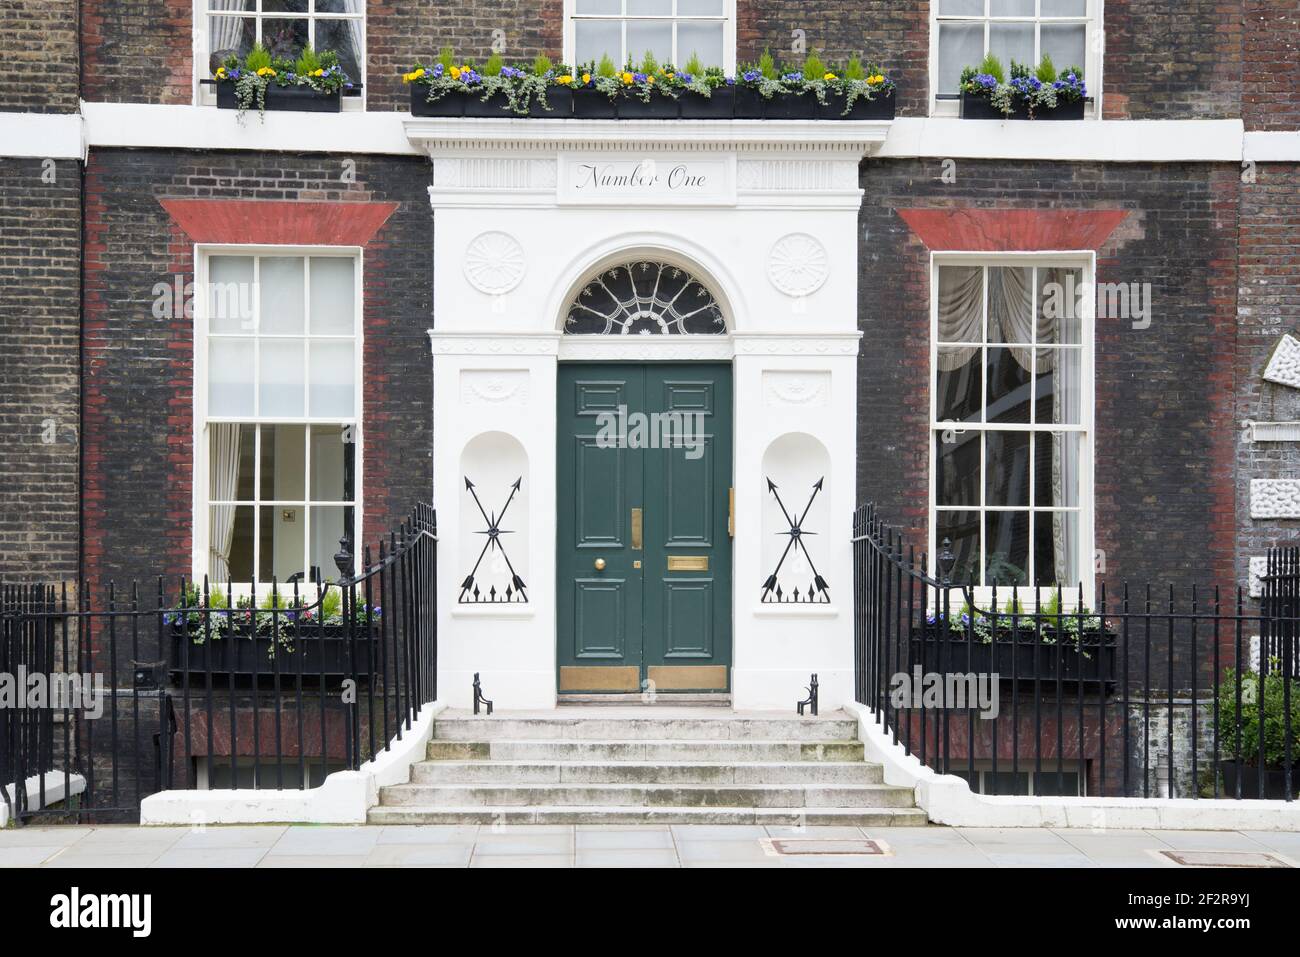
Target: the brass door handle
(600, 564)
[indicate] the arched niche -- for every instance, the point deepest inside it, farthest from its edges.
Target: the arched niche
(492, 566)
(796, 522)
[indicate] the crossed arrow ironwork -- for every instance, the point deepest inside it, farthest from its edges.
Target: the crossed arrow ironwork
(469, 590)
(819, 590)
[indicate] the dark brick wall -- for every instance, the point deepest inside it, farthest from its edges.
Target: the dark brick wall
(1165, 434)
(895, 33)
(139, 369)
(399, 33)
(1172, 60)
(1270, 307)
(38, 56)
(40, 263)
(137, 51)
(1270, 94)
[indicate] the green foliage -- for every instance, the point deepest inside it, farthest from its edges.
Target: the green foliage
(328, 58)
(494, 65)
(693, 66)
(541, 65)
(447, 57)
(331, 603)
(649, 65)
(258, 58)
(814, 68)
(993, 67)
(1274, 717)
(1019, 71)
(308, 62)
(1046, 71)
(766, 65)
(853, 70)
(606, 67)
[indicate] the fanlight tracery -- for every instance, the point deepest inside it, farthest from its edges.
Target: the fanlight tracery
(645, 298)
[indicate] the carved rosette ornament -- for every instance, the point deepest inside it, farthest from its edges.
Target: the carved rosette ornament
(494, 263)
(797, 264)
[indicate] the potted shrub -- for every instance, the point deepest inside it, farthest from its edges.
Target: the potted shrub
(646, 95)
(859, 94)
(985, 93)
(1055, 96)
(489, 91)
(705, 93)
(756, 84)
(313, 83)
(596, 90)
(437, 89)
(1245, 765)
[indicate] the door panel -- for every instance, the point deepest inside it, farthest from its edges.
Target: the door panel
(664, 610)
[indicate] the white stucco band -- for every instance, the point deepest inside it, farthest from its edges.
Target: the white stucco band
(534, 208)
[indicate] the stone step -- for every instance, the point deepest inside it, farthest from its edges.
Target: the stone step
(645, 729)
(644, 772)
(810, 817)
(700, 750)
(649, 795)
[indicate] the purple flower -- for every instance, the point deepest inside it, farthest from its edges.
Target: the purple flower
(751, 76)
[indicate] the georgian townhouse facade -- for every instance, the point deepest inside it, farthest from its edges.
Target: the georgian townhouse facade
(441, 309)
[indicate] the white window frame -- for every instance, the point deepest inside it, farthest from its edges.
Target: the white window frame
(728, 18)
(201, 514)
(1086, 260)
(1094, 42)
(205, 95)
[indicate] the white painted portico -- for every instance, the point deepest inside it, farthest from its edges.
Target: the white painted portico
(765, 215)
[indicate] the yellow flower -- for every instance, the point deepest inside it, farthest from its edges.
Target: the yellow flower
(627, 78)
(876, 80)
(266, 71)
(455, 73)
(221, 73)
(830, 76)
(649, 79)
(319, 73)
(586, 78)
(564, 80)
(670, 75)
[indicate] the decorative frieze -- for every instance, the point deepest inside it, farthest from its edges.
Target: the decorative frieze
(494, 387)
(1275, 498)
(796, 389)
(1284, 364)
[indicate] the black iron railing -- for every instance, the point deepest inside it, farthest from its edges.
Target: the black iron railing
(1152, 692)
(215, 687)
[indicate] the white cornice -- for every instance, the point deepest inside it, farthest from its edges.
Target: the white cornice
(1269, 147)
(42, 136)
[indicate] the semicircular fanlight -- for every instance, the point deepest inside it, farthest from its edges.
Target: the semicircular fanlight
(644, 298)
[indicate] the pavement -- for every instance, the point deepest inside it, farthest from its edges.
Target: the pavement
(635, 846)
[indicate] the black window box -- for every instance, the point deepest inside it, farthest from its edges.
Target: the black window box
(449, 105)
(979, 108)
(296, 99)
(791, 106)
(560, 101)
(497, 104)
(591, 104)
(656, 108)
(1024, 659)
(324, 651)
(880, 108)
(748, 103)
(720, 106)
(1063, 111)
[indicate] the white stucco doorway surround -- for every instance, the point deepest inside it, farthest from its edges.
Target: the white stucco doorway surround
(764, 215)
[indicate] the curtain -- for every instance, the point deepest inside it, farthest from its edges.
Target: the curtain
(223, 484)
(1011, 310)
(961, 314)
(1065, 445)
(356, 29)
(225, 31)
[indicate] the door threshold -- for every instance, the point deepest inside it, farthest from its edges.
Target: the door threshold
(664, 698)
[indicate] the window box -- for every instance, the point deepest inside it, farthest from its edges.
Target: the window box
(720, 106)
(324, 649)
(421, 105)
(1026, 656)
(880, 108)
(748, 103)
(560, 101)
(979, 108)
(296, 99)
(592, 104)
(658, 107)
(494, 104)
(791, 106)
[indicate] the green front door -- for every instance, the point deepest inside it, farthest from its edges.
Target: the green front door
(643, 536)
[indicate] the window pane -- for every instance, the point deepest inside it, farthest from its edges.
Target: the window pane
(649, 35)
(1011, 8)
(344, 38)
(229, 36)
(959, 395)
(593, 39)
(284, 38)
(284, 457)
(280, 380)
(1006, 548)
(281, 282)
(230, 462)
(230, 294)
(963, 529)
(1012, 43)
(327, 458)
(230, 377)
(1006, 469)
(699, 8)
(1056, 470)
(284, 6)
(960, 45)
(598, 6)
(1011, 304)
(961, 308)
(643, 8)
(1056, 549)
(340, 6)
(700, 39)
(1065, 8)
(1059, 395)
(241, 5)
(1065, 43)
(957, 468)
(1009, 389)
(326, 530)
(331, 391)
(333, 296)
(282, 531)
(1060, 306)
(230, 543)
(961, 8)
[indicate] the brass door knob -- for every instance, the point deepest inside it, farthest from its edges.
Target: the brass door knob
(600, 564)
